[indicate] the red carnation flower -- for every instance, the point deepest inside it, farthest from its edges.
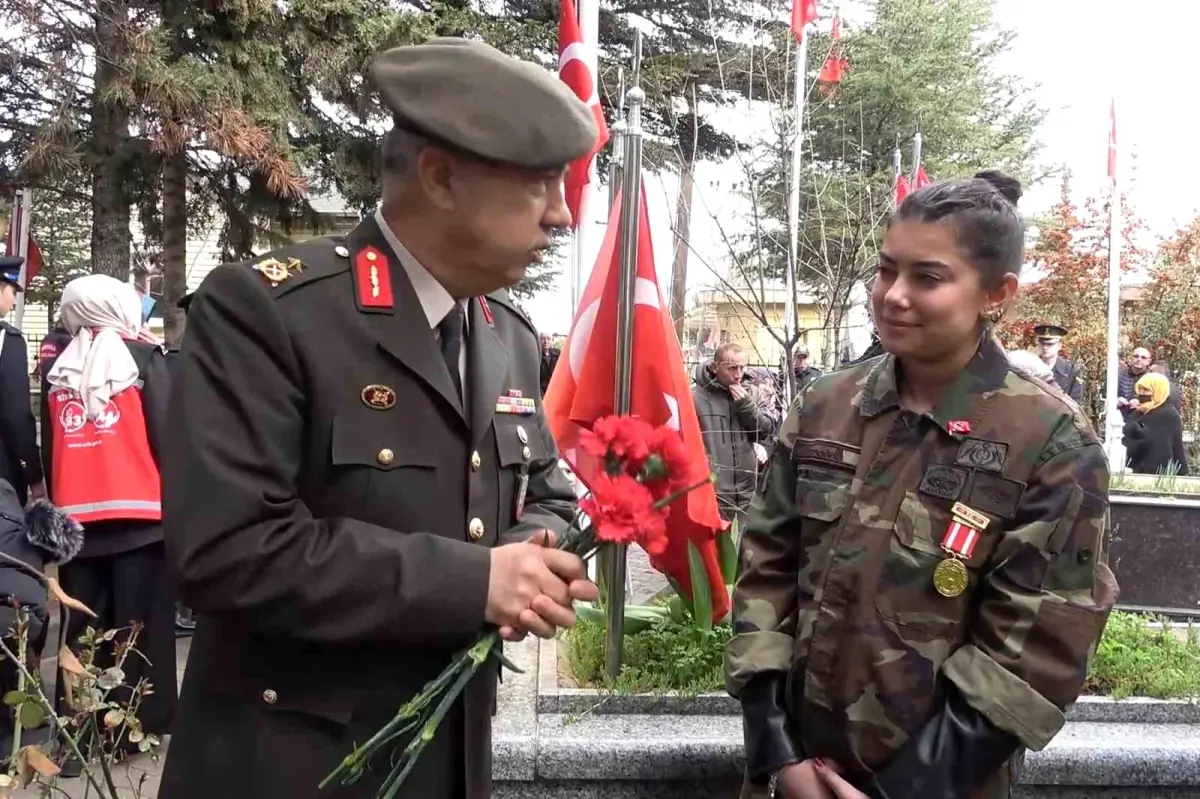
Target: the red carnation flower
(667, 465)
(622, 512)
(620, 441)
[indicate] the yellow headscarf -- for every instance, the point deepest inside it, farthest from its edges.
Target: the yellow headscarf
(1157, 386)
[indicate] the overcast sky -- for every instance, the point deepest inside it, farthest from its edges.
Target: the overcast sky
(1082, 52)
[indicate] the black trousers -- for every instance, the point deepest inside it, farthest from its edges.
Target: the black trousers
(123, 588)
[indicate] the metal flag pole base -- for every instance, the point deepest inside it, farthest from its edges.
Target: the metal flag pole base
(631, 182)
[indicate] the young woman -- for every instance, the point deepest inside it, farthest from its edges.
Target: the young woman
(922, 579)
(1154, 432)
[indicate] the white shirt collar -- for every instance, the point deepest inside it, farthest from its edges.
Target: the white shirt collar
(434, 299)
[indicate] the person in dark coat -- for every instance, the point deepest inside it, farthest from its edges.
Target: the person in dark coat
(20, 464)
(52, 346)
(31, 538)
(121, 572)
(358, 474)
(1066, 374)
(1176, 398)
(1153, 435)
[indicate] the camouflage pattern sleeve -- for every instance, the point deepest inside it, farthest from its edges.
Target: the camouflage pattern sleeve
(765, 593)
(1044, 598)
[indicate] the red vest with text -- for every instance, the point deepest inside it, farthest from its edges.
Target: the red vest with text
(103, 469)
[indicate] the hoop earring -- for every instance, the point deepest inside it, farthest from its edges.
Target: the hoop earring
(992, 315)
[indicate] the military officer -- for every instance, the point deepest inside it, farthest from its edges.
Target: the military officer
(20, 462)
(1066, 374)
(922, 579)
(359, 473)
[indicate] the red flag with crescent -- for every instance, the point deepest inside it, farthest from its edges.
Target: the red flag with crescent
(574, 70)
(583, 387)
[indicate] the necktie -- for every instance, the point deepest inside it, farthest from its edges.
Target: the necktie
(450, 331)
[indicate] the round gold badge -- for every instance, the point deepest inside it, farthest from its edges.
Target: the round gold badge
(378, 397)
(950, 577)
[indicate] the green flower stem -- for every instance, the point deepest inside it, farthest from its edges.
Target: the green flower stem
(415, 747)
(665, 501)
(352, 765)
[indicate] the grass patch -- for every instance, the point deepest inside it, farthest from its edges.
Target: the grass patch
(1132, 660)
(1166, 484)
(668, 657)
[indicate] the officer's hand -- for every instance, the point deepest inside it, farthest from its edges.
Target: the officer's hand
(525, 591)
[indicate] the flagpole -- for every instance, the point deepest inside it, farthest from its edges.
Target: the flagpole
(791, 311)
(614, 643)
(25, 203)
(616, 136)
(916, 155)
(1114, 422)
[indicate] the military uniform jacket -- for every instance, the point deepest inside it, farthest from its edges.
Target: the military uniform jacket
(1066, 375)
(329, 506)
(836, 586)
(20, 463)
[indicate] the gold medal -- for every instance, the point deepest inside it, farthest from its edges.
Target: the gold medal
(950, 577)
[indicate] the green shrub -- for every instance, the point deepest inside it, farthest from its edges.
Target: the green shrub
(670, 656)
(1135, 660)
(1131, 660)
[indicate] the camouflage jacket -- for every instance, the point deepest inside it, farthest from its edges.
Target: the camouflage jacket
(835, 587)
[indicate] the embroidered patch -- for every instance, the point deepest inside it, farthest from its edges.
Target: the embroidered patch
(821, 451)
(996, 495)
(976, 453)
(943, 482)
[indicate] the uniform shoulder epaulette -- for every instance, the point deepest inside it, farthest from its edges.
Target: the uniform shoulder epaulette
(9, 328)
(503, 299)
(287, 269)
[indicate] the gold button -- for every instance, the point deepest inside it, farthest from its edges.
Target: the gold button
(341, 252)
(385, 456)
(270, 697)
(526, 454)
(475, 528)
(521, 434)
(476, 461)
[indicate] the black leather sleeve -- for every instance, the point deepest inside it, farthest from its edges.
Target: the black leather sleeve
(770, 744)
(949, 758)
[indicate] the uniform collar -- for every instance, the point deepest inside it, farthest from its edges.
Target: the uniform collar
(435, 301)
(963, 401)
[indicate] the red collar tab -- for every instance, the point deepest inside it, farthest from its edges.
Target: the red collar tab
(373, 280)
(487, 311)
(958, 427)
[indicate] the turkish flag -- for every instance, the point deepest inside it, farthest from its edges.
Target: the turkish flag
(574, 71)
(920, 180)
(33, 257)
(583, 389)
(901, 189)
(803, 12)
(834, 68)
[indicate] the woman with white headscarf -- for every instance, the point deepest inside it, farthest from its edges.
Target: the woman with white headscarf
(104, 403)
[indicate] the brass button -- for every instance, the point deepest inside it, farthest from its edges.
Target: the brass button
(476, 461)
(371, 256)
(270, 697)
(526, 454)
(385, 456)
(475, 528)
(341, 252)
(521, 434)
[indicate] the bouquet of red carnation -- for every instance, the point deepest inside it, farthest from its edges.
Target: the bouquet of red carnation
(627, 505)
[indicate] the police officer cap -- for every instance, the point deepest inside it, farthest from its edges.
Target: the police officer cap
(1050, 332)
(10, 269)
(469, 96)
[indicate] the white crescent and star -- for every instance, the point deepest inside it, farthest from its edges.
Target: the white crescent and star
(578, 51)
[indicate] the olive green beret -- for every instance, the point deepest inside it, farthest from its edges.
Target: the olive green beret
(471, 97)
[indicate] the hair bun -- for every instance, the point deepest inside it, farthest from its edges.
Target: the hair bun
(1008, 186)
